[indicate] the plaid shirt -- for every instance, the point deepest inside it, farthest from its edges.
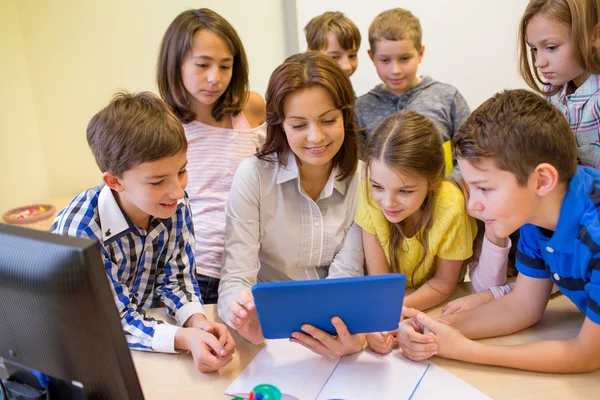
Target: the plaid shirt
(143, 268)
(582, 110)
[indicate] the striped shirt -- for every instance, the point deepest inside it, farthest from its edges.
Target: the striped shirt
(569, 256)
(144, 268)
(213, 157)
(582, 110)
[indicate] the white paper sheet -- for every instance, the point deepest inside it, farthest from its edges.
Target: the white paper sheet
(296, 371)
(367, 375)
(441, 384)
(302, 374)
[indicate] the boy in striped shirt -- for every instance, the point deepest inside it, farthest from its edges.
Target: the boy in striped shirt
(141, 219)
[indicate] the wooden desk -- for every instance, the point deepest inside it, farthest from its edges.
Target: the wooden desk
(173, 375)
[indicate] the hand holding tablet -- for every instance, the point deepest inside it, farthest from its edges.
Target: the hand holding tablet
(331, 346)
(242, 314)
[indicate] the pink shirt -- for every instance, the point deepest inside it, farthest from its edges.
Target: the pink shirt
(487, 267)
(213, 157)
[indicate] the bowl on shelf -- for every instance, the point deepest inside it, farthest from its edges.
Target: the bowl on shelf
(28, 214)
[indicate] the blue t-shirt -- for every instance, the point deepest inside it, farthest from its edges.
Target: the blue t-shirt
(571, 255)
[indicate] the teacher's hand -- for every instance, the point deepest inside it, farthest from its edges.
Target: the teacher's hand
(327, 345)
(243, 317)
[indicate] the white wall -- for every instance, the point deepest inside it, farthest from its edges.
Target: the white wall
(65, 60)
(471, 44)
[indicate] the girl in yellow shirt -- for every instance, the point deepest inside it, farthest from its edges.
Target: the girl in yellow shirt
(413, 220)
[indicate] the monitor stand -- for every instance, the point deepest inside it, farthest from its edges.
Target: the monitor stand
(20, 383)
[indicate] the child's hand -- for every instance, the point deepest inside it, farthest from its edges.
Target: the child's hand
(326, 345)
(242, 314)
(219, 330)
(413, 338)
(381, 342)
(467, 302)
(208, 353)
(451, 343)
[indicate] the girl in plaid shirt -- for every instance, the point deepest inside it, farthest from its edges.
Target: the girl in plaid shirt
(563, 37)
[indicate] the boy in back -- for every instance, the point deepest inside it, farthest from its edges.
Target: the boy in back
(518, 156)
(141, 219)
(396, 50)
(335, 35)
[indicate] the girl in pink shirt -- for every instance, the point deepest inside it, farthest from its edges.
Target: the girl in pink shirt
(203, 76)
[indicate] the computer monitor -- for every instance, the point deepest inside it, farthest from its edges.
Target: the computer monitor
(57, 314)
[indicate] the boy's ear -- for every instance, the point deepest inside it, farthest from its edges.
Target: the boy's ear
(371, 55)
(112, 182)
(421, 53)
(546, 177)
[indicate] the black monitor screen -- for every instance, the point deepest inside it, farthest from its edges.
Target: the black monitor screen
(57, 314)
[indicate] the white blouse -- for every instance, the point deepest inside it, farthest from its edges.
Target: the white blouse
(276, 232)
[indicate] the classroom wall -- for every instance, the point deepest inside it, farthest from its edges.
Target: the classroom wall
(63, 60)
(470, 44)
(67, 59)
(23, 176)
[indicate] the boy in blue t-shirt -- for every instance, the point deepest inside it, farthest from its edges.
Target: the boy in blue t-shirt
(519, 157)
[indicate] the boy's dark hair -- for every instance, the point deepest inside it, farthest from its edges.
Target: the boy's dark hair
(395, 24)
(177, 43)
(519, 130)
(343, 28)
(302, 71)
(133, 129)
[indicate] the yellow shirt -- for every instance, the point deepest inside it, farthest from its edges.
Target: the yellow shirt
(448, 157)
(450, 237)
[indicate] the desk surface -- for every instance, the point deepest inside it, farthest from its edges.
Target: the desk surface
(169, 375)
(561, 320)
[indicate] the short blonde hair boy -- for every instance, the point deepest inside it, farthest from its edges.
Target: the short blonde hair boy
(395, 24)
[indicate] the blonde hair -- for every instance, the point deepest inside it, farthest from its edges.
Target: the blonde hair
(409, 142)
(395, 24)
(343, 28)
(581, 16)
